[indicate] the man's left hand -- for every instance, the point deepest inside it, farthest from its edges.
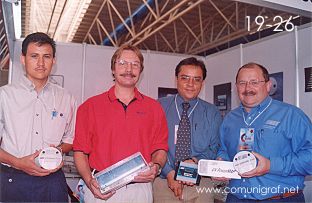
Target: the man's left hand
(148, 175)
(262, 168)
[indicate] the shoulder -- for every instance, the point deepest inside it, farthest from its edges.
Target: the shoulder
(292, 111)
(207, 107)
(11, 89)
(150, 101)
(164, 101)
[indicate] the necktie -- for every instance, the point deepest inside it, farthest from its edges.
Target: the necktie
(183, 146)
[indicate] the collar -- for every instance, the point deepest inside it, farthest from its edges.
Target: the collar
(29, 85)
(192, 102)
(112, 97)
(260, 107)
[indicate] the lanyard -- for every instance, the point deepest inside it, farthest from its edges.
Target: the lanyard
(176, 105)
(257, 115)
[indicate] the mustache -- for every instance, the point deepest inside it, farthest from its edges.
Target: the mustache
(249, 93)
(128, 74)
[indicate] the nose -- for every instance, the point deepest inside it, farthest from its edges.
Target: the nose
(40, 61)
(190, 81)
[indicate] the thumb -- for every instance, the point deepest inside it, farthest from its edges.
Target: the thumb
(258, 156)
(34, 155)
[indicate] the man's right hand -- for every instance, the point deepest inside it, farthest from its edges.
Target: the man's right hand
(28, 165)
(174, 185)
(95, 189)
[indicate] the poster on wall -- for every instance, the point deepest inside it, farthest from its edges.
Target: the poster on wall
(57, 79)
(308, 79)
(276, 91)
(222, 97)
(164, 91)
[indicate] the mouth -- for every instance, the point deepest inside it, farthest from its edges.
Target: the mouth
(40, 69)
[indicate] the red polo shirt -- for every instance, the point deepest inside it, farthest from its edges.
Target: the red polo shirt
(108, 133)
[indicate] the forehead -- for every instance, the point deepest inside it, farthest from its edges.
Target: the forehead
(129, 54)
(37, 48)
(251, 73)
(191, 70)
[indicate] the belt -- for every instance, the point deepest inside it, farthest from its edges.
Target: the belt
(285, 195)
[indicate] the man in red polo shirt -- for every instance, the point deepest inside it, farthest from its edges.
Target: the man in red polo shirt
(116, 124)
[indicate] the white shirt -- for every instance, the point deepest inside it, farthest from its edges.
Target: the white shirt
(30, 121)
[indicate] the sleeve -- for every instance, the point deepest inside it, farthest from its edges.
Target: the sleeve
(84, 128)
(68, 136)
(298, 162)
(215, 136)
(222, 152)
(167, 168)
(160, 140)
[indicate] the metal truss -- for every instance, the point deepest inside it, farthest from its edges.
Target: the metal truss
(4, 48)
(184, 26)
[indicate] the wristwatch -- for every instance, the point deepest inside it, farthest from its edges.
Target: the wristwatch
(159, 168)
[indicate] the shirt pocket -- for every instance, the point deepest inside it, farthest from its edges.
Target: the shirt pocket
(270, 141)
(57, 128)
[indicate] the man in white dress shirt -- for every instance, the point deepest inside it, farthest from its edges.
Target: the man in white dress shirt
(34, 114)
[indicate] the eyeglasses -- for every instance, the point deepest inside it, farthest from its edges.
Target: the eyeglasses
(253, 83)
(186, 79)
(124, 64)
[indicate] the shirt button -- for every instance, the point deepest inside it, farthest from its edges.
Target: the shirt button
(10, 180)
(36, 133)
(245, 196)
(37, 114)
(244, 180)
(249, 117)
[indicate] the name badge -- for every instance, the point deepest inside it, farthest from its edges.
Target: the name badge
(246, 139)
(176, 127)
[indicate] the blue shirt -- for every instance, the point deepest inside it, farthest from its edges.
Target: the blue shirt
(205, 121)
(283, 134)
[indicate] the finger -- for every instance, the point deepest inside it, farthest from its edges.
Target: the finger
(220, 179)
(175, 190)
(180, 191)
(249, 174)
(34, 155)
(107, 195)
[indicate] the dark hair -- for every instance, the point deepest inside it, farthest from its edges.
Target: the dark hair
(39, 38)
(265, 72)
(191, 61)
(119, 51)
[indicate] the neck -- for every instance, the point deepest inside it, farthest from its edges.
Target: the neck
(124, 94)
(39, 84)
(247, 109)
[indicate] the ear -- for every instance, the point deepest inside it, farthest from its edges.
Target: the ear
(53, 61)
(268, 86)
(22, 59)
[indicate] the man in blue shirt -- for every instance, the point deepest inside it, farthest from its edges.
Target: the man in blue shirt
(282, 142)
(205, 121)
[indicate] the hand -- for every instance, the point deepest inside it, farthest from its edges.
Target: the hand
(148, 175)
(28, 165)
(175, 186)
(262, 168)
(220, 178)
(95, 189)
